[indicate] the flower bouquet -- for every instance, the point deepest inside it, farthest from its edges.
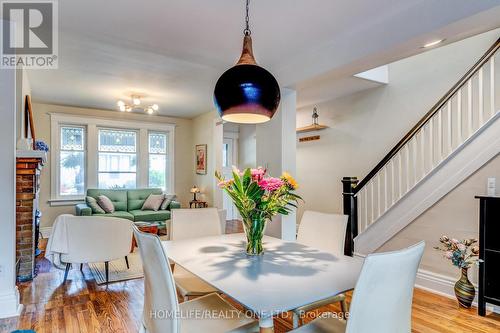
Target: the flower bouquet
(258, 197)
(462, 254)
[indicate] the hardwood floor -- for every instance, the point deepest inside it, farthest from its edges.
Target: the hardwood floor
(82, 306)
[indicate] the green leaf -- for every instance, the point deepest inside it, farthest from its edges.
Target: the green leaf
(247, 177)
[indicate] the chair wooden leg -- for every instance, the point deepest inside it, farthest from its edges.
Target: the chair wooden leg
(81, 267)
(106, 267)
(66, 271)
(126, 261)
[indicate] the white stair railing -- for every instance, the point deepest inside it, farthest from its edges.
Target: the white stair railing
(464, 110)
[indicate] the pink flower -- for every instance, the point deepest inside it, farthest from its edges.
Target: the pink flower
(448, 254)
(270, 184)
(258, 174)
(454, 241)
(461, 247)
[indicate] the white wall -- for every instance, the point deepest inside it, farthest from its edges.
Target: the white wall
(183, 153)
(247, 147)
(366, 125)
(9, 295)
(276, 151)
(204, 133)
(24, 88)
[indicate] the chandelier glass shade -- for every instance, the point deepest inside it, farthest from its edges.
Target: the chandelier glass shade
(136, 105)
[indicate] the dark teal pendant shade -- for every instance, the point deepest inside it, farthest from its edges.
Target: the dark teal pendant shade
(247, 93)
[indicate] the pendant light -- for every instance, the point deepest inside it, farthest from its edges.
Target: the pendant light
(247, 93)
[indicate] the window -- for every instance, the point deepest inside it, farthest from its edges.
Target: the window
(157, 160)
(72, 161)
(105, 153)
(117, 167)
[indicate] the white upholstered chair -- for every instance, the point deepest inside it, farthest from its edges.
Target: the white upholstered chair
(188, 224)
(162, 312)
(327, 233)
(89, 241)
(382, 298)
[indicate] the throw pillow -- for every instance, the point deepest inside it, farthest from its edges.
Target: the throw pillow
(153, 202)
(168, 199)
(92, 203)
(106, 204)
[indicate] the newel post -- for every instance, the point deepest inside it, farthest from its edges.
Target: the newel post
(350, 209)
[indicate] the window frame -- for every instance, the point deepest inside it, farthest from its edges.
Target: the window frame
(58, 161)
(137, 148)
(92, 126)
(167, 155)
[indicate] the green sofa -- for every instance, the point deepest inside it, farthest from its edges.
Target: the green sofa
(128, 204)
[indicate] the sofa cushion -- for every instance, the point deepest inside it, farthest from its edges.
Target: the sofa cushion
(136, 197)
(168, 199)
(150, 215)
(153, 202)
(92, 203)
(119, 214)
(117, 197)
(106, 204)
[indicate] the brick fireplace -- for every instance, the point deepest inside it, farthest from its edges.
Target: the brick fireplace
(27, 192)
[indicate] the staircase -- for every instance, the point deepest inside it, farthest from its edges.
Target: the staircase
(453, 140)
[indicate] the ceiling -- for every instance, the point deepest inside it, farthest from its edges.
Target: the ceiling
(172, 52)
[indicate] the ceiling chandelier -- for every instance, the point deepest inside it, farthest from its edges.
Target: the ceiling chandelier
(247, 93)
(135, 104)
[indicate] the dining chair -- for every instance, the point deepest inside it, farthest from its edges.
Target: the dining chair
(162, 312)
(325, 232)
(382, 298)
(188, 224)
(88, 240)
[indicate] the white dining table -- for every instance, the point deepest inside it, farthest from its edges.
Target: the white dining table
(288, 275)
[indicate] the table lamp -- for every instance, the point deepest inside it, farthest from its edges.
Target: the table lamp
(194, 190)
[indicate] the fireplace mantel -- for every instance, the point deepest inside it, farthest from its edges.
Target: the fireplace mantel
(32, 154)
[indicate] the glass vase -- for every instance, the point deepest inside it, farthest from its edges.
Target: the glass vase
(254, 230)
(464, 290)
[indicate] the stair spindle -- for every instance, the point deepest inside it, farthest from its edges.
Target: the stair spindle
(480, 97)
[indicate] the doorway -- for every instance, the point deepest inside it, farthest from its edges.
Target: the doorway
(229, 159)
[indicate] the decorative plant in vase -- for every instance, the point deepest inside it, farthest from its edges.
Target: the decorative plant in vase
(258, 198)
(462, 254)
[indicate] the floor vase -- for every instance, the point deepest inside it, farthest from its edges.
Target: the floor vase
(464, 290)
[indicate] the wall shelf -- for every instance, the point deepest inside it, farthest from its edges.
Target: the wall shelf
(311, 128)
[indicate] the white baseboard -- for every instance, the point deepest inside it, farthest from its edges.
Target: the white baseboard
(443, 285)
(9, 304)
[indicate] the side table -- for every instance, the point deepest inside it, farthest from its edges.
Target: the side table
(198, 204)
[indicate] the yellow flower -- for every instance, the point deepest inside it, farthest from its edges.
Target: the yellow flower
(290, 180)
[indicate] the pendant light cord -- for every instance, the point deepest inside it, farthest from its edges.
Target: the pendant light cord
(247, 30)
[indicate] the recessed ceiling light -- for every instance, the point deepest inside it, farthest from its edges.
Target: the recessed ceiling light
(431, 44)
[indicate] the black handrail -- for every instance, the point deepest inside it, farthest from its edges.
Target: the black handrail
(486, 56)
